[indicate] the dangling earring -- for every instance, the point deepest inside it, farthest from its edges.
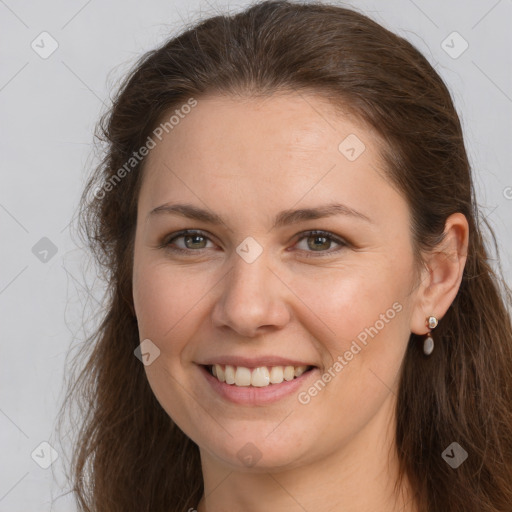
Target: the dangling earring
(428, 343)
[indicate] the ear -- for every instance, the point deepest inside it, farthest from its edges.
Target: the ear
(440, 281)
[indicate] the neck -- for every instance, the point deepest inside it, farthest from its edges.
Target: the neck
(359, 476)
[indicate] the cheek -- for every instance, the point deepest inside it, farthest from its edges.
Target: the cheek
(355, 303)
(364, 329)
(165, 315)
(342, 304)
(164, 302)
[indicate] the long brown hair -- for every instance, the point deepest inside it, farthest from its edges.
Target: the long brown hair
(129, 455)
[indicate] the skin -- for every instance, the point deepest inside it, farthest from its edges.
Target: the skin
(246, 160)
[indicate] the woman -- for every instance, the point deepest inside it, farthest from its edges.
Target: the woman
(301, 313)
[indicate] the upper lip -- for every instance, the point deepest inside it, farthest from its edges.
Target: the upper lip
(254, 362)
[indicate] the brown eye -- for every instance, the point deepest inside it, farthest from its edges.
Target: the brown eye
(192, 241)
(317, 242)
(195, 241)
(320, 242)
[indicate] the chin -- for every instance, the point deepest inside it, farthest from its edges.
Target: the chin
(262, 451)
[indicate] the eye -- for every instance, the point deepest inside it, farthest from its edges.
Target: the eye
(195, 241)
(320, 240)
(192, 239)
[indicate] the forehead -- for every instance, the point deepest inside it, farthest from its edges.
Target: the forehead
(286, 146)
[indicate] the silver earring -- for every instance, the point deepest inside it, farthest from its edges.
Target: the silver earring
(428, 343)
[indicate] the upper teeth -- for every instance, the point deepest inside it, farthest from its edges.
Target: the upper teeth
(259, 377)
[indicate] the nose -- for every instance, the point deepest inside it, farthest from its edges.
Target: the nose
(253, 300)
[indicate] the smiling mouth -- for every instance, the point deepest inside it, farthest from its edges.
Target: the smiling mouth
(259, 377)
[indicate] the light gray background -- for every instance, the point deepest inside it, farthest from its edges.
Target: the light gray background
(48, 110)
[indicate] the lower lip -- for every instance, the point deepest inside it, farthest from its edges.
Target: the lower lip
(250, 395)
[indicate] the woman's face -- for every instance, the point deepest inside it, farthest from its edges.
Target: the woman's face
(256, 292)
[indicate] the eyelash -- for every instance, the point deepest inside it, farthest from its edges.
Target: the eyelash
(166, 244)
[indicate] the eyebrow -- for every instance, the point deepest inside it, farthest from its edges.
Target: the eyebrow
(283, 218)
